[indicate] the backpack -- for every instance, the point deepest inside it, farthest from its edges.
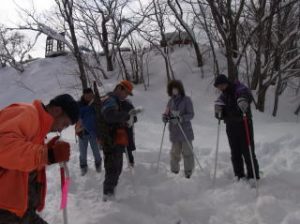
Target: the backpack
(103, 131)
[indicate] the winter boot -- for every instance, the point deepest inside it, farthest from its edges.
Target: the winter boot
(252, 182)
(98, 167)
(84, 170)
(108, 197)
(188, 174)
(175, 171)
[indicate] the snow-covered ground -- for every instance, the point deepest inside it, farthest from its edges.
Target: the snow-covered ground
(148, 195)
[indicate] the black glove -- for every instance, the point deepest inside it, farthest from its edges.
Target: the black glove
(219, 112)
(176, 119)
(165, 118)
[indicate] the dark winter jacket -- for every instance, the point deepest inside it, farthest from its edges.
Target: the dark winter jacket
(115, 118)
(112, 111)
(87, 117)
(231, 110)
(184, 106)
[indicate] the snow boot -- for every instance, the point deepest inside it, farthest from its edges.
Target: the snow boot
(108, 197)
(84, 170)
(98, 167)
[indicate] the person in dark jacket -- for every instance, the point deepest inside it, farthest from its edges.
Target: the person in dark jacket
(180, 111)
(86, 131)
(232, 104)
(128, 106)
(113, 144)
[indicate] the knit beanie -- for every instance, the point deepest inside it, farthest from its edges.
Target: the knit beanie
(221, 79)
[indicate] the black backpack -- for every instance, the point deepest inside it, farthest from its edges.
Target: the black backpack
(103, 131)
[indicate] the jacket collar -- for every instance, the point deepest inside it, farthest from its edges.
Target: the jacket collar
(45, 118)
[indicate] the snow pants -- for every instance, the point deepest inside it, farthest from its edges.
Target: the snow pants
(30, 217)
(182, 149)
(240, 153)
(113, 163)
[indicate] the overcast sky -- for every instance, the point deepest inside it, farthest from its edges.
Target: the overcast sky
(10, 17)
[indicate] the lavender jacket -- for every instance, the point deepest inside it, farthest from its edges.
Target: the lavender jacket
(184, 106)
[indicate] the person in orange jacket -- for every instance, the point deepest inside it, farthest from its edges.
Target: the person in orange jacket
(24, 155)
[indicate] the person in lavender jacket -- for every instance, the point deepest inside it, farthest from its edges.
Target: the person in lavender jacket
(233, 102)
(180, 111)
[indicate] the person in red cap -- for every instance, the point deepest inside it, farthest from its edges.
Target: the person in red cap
(24, 155)
(114, 142)
(127, 85)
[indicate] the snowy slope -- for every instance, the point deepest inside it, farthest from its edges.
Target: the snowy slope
(149, 196)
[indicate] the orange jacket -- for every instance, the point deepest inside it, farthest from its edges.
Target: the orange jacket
(23, 128)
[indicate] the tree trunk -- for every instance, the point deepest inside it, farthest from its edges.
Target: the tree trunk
(297, 111)
(276, 100)
(232, 69)
(110, 66)
(198, 54)
(124, 65)
(66, 9)
(167, 69)
(233, 41)
(261, 98)
(78, 56)
(136, 63)
(256, 72)
(108, 56)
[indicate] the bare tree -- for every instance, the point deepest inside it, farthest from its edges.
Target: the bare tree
(226, 16)
(201, 16)
(13, 48)
(160, 11)
(270, 43)
(66, 8)
(123, 27)
(88, 33)
(179, 16)
(98, 14)
(109, 25)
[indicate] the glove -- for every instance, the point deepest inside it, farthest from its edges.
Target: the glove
(243, 104)
(130, 121)
(132, 115)
(165, 118)
(135, 111)
(52, 142)
(176, 119)
(58, 151)
(218, 112)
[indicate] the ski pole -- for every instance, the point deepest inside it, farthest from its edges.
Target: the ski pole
(216, 155)
(64, 174)
(190, 146)
(130, 167)
(64, 181)
(127, 157)
(161, 144)
(250, 150)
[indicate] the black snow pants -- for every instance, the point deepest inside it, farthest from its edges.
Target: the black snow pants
(113, 163)
(240, 153)
(30, 217)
